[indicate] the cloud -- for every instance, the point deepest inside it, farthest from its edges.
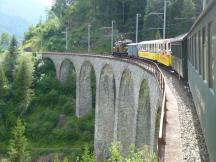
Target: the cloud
(47, 3)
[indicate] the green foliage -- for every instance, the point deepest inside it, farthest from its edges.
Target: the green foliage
(76, 15)
(45, 36)
(49, 112)
(51, 120)
(10, 59)
(115, 153)
(3, 81)
(143, 155)
(180, 16)
(5, 40)
(157, 35)
(22, 83)
(87, 156)
(18, 144)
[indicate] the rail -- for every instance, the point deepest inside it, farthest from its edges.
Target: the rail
(151, 67)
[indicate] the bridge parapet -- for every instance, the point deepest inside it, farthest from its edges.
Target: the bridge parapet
(129, 93)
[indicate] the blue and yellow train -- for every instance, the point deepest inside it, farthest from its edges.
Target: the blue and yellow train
(169, 52)
(193, 57)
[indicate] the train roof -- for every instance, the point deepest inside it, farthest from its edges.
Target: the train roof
(210, 5)
(155, 41)
(132, 44)
(179, 38)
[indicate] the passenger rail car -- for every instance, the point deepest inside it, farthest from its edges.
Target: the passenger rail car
(169, 52)
(157, 50)
(202, 72)
(179, 55)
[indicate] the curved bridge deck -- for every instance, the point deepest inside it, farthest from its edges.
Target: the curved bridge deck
(122, 111)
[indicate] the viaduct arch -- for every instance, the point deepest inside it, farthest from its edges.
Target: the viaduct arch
(127, 98)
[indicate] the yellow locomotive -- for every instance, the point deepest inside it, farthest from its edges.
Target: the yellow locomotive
(121, 47)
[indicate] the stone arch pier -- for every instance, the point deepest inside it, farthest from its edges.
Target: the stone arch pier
(127, 98)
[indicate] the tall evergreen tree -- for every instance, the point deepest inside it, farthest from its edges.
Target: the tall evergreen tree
(152, 22)
(18, 145)
(3, 81)
(10, 59)
(22, 83)
(5, 40)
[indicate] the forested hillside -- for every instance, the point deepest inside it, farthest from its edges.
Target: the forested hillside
(75, 16)
(37, 113)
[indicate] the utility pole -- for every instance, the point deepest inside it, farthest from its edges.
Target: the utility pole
(123, 7)
(112, 35)
(137, 24)
(164, 25)
(89, 37)
(204, 4)
(66, 38)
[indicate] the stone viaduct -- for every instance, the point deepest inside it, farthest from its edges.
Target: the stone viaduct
(127, 98)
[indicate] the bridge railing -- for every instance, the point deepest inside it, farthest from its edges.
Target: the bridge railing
(152, 68)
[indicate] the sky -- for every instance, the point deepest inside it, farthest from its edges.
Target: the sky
(46, 3)
(29, 10)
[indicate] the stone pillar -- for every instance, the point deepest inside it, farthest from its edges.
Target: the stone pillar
(64, 71)
(105, 113)
(143, 124)
(126, 112)
(85, 90)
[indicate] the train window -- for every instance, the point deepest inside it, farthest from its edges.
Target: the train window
(199, 49)
(188, 46)
(210, 64)
(169, 46)
(192, 48)
(189, 50)
(154, 47)
(204, 53)
(195, 51)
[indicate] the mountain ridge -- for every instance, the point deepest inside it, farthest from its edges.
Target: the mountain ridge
(14, 25)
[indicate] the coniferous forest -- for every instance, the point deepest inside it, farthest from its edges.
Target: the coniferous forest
(37, 113)
(74, 16)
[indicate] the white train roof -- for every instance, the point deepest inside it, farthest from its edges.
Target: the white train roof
(178, 38)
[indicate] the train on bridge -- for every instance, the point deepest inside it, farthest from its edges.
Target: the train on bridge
(193, 57)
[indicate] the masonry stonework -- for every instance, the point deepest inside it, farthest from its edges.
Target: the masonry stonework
(127, 99)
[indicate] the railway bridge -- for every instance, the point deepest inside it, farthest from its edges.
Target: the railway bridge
(128, 97)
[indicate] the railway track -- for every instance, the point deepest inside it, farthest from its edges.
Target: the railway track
(192, 139)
